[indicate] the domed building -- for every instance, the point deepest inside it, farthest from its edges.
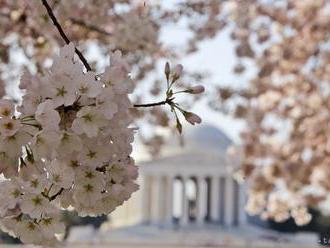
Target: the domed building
(187, 184)
(188, 198)
(192, 184)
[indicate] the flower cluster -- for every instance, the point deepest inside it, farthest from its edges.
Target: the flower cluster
(279, 207)
(66, 146)
(286, 140)
(172, 76)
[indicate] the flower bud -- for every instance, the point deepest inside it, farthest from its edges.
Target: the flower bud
(177, 72)
(192, 118)
(198, 89)
(167, 70)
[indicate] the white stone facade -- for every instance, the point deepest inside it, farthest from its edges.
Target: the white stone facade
(188, 198)
(218, 198)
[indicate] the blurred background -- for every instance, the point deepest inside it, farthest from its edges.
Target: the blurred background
(266, 115)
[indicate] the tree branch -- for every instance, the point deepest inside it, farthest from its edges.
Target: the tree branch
(167, 101)
(53, 197)
(63, 35)
(83, 59)
(89, 26)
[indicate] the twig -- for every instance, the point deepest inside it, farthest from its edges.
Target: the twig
(83, 59)
(53, 197)
(167, 101)
(89, 26)
(63, 35)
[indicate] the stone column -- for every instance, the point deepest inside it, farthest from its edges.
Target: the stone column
(158, 200)
(146, 199)
(185, 208)
(229, 201)
(242, 199)
(169, 199)
(201, 199)
(215, 198)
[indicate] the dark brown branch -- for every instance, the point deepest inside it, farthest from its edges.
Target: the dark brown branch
(53, 197)
(89, 26)
(167, 101)
(63, 35)
(83, 59)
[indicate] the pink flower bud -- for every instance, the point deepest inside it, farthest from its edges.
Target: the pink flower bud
(177, 71)
(167, 69)
(192, 118)
(198, 89)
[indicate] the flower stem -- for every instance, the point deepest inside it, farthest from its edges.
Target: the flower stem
(146, 105)
(53, 197)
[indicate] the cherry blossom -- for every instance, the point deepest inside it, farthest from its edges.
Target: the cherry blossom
(47, 116)
(198, 89)
(192, 118)
(58, 153)
(67, 143)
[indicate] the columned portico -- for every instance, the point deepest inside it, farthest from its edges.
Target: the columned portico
(229, 201)
(192, 188)
(242, 202)
(215, 199)
(158, 200)
(169, 199)
(201, 199)
(146, 199)
(184, 220)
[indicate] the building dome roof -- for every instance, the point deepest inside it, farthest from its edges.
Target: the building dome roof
(207, 137)
(204, 150)
(202, 139)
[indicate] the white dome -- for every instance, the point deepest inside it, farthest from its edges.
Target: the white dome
(201, 139)
(206, 137)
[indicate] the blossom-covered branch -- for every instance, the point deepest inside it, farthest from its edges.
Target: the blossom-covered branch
(169, 99)
(69, 144)
(89, 26)
(68, 126)
(63, 35)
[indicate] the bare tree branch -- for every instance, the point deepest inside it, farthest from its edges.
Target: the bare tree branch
(89, 26)
(82, 58)
(146, 105)
(63, 35)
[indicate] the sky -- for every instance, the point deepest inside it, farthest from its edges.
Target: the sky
(215, 57)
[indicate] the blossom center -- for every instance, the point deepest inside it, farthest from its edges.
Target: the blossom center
(47, 222)
(57, 178)
(88, 188)
(91, 154)
(89, 174)
(83, 89)
(9, 125)
(61, 91)
(31, 226)
(5, 112)
(16, 193)
(37, 200)
(74, 163)
(34, 183)
(87, 117)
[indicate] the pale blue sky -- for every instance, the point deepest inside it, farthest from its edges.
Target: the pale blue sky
(215, 56)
